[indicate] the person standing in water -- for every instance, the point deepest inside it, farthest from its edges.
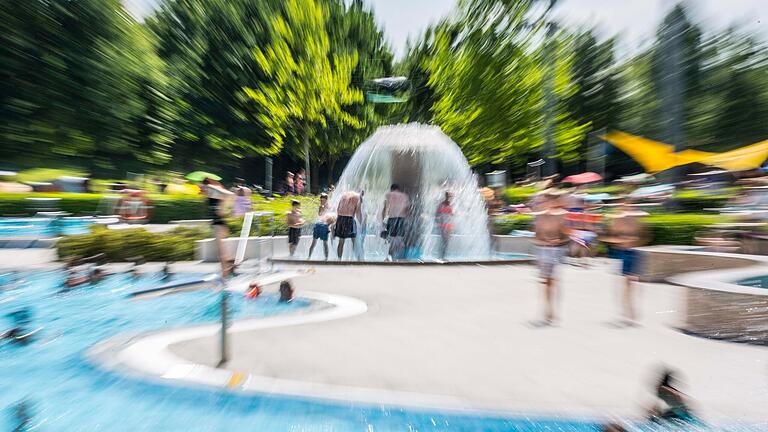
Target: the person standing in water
(626, 232)
(347, 210)
(550, 240)
(444, 222)
(294, 221)
(321, 228)
(395, 210)
(219, 200)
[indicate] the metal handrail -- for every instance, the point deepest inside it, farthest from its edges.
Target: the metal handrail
(216, 280)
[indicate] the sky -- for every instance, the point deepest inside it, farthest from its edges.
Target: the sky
(634, 20)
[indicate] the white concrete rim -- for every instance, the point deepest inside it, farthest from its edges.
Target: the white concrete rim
(148, 357)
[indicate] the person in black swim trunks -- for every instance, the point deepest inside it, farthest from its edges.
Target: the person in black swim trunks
(218, 204)
(395, 210)
(294, 221)
(348, 209)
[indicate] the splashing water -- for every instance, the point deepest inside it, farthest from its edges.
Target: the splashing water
(425, 163)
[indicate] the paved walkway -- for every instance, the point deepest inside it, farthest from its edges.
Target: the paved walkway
(464, 332)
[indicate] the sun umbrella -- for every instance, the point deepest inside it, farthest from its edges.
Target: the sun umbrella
(583, 178)
(198, 176)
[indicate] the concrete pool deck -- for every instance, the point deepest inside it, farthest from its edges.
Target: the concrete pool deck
(464, 334)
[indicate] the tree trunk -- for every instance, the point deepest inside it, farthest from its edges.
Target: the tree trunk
(308, 186)
(331, 164)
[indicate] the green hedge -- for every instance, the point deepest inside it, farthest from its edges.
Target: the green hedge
(685, 201)
(166, 207)
(126, 244)
(665, 229)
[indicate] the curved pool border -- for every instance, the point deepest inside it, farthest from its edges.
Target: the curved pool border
(148, 354)
(147, 357)
(715, 305)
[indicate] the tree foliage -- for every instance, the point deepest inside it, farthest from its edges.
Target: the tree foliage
(487, 72)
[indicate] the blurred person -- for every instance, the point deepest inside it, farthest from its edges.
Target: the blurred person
(626, 232)
(295, 222)
(347, 210)
(672, 405)
(395, 210)
(321, 229)
(614, 427)
(300, 181)
(290, 186)
(219, 199)
(96, 275)
(166, 274)
(286, 292)
(243, 199)
(444, 222)
(75, 279)
(550, 240)
(22, 414)
(19, 333)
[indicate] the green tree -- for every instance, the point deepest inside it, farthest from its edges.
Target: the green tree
(208, 48)
(595, 100)
(486, 70)
(69, 85)
(307, 84)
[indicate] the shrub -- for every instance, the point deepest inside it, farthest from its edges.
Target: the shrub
(124, 244)
(678, 229)
(505, 224)
(664, 229)
(517, 195)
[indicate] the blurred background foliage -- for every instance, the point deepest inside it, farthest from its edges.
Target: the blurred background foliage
(222, 83)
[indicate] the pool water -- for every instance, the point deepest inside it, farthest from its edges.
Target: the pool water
(52, 382)
(754, 282)
(40, 227)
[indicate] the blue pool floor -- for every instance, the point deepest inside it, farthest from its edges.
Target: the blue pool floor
(60, 390)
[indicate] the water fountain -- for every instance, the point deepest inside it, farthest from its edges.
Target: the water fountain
(425, 163)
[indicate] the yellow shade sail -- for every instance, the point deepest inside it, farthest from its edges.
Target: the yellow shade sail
(652, 155)
(742, 159)
(655, 156)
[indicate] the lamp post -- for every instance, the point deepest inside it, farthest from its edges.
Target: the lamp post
(550, 101)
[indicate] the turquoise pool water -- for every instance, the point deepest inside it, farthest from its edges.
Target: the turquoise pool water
(40, 227)
(754, 282)
(53, 383)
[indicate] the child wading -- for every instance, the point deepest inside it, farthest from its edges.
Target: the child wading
(294, 221)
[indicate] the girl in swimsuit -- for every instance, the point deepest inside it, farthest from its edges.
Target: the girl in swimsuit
(444, 221)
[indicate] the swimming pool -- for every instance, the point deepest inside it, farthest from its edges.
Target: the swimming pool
(51, 380)
(754, 282)
(43, 227)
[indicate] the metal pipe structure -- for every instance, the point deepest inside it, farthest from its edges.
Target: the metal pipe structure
(223, 339)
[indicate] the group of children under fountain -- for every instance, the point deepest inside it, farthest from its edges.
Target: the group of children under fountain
(348, 222)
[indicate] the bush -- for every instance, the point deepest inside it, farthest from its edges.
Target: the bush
(678, 229)
(166, 207)
(125, 244)
(517, 195)
(664, 229)
(696, 201)
(505, 224)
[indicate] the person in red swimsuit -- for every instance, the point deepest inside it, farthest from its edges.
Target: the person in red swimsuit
(444, 220)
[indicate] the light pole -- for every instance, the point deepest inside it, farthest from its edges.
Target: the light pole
(550, 101)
